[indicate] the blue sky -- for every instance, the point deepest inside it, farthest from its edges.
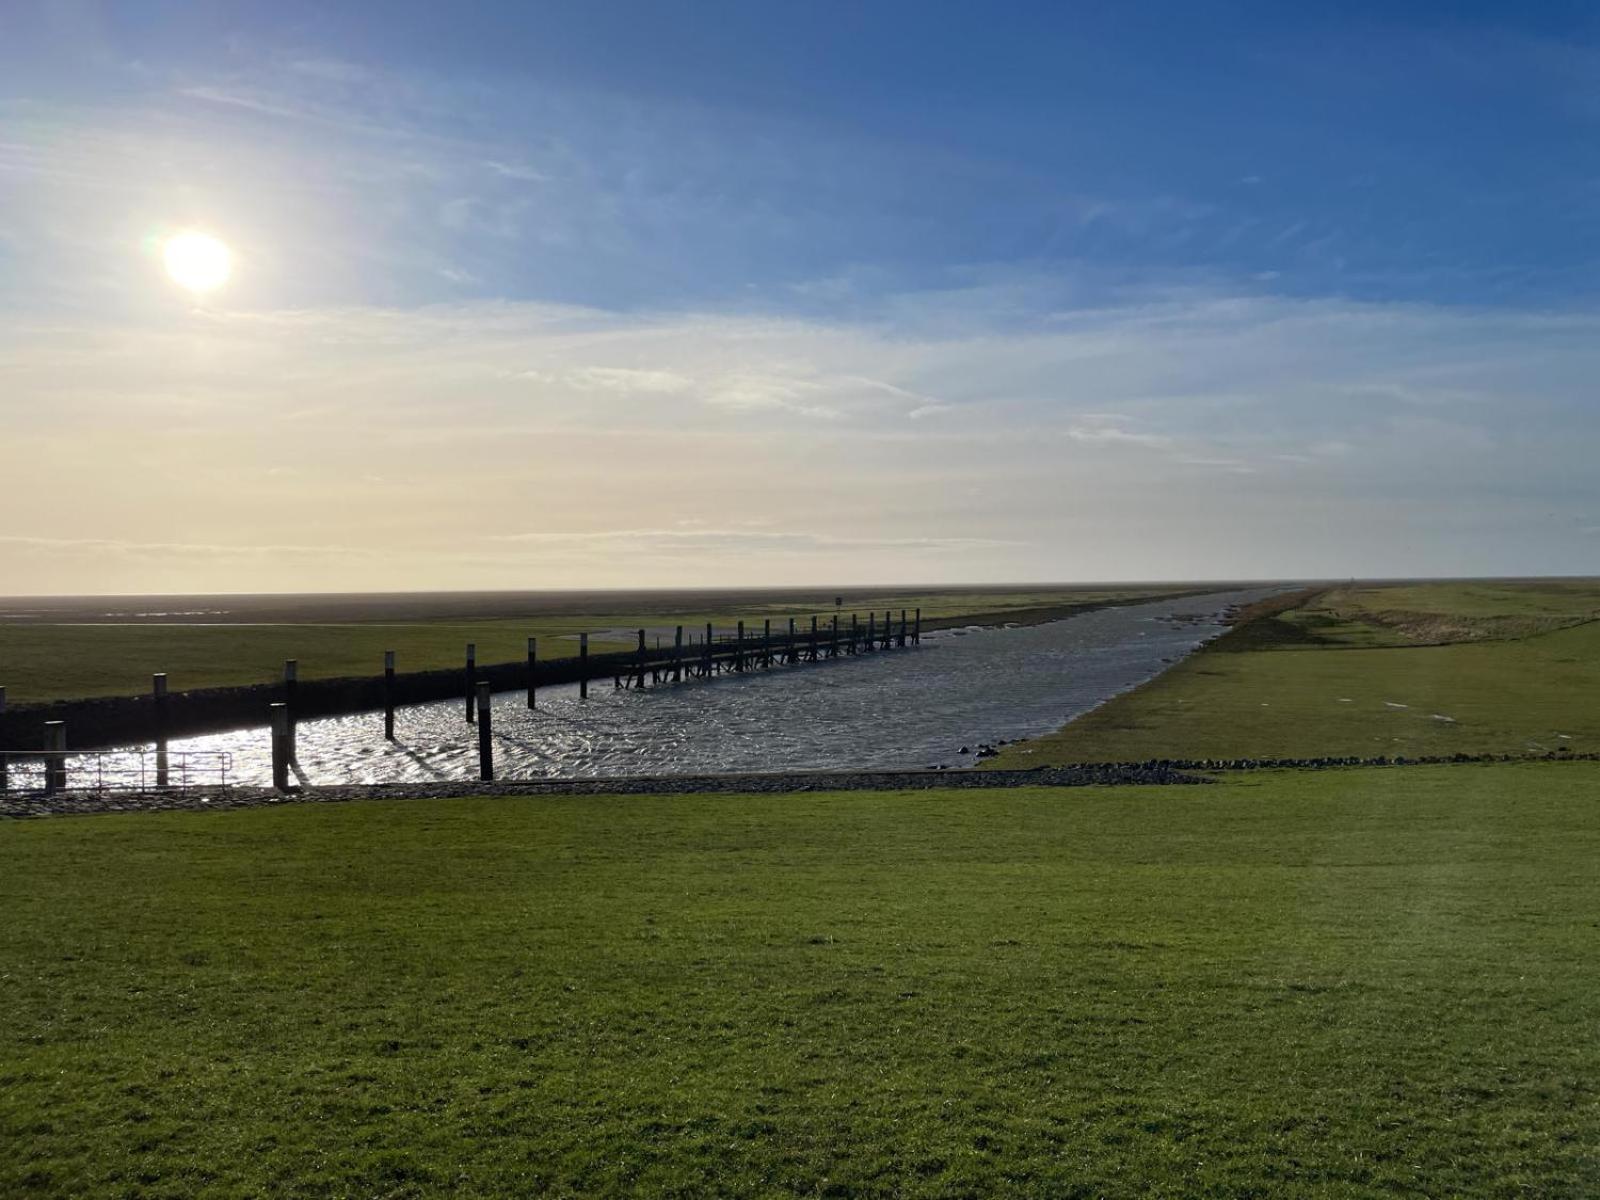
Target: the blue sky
(914, 291)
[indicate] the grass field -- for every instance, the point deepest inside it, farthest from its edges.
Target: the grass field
(48, 660)
(1341, 984)
(1423, 669)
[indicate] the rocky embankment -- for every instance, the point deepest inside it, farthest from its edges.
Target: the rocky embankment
(67, 803)
(1153, 771)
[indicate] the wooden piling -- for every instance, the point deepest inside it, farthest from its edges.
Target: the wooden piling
(854, 632)
(533, 671)
(485, 733)
(811, 655)
(766, 643)
(55, 763)
(639, 662)
(888, 630)
(472, 682)
(788, 653)
(677, 655)
(583, 666)
(710, 662)
(158, 700)
(738, 650)
(280, 746)
(291, 704)
(833, 637)
(902, 641)
(4, 780)
(388, 694)
(872, 631)
(916, 635)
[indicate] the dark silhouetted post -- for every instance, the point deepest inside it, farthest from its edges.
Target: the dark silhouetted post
(902, 642)
(788, 651)
(533, 670)
(766, 642)
(916, 634)
(711, 662)
(291, 703)
(813, 647)
(583, 666)
(738, 650)
(888, 629)
(158, 699)
(280, 747)
(638, 666)
(4, 783)
(833, 637)
(872, 631)
(485, 734)
(677, 655)
(855, 632)
(388, 694)
(472, 681)
(55, 763)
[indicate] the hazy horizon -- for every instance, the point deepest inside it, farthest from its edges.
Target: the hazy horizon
(299, 299)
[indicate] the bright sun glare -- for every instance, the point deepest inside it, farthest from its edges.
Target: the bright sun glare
(197, 261)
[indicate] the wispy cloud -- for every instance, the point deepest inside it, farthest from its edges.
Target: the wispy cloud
(511, 445)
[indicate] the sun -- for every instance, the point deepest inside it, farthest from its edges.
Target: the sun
(197, 261)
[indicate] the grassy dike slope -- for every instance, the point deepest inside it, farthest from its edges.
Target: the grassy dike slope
(1416, 670)
(1354, 983)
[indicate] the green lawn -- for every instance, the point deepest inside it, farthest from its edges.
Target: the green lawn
(40, 661)
(1341, 984)
(1335, 677)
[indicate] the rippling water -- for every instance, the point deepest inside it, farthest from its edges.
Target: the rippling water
(907, 708)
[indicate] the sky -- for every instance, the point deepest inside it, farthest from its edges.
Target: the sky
(582, 294)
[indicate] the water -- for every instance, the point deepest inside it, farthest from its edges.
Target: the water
(906, 708)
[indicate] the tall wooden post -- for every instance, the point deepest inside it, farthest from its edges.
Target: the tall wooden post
(738, 650)
(388, 694)
(888, 630)
(788, 652)
(902, 629)
(766, 642)
(638, 666)
(291, 704)
(55, 763)
(833, 637)
(533, 671)
(4, 781)
(158, 700)
(916, 636)
(583, 666)
(472, 682)
(711, 662)
(280, 746)
(855, 632)
(677, 655)
(813, 648)
(485, 734)
(872, 631)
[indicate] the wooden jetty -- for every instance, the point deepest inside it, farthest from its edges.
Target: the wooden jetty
(734, 654)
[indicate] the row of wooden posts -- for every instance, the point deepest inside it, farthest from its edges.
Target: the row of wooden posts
(737, 654)
(704, 660)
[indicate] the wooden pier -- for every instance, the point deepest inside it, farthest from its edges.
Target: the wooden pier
(742, 651)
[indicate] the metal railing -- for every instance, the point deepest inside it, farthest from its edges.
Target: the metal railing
(44, 772)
